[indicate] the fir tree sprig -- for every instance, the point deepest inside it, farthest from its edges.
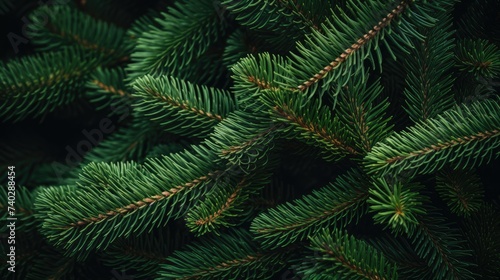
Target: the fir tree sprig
(118, 201)
(235, 256)
(59, 78)
(395, 207)
(479, 58)
(342, 256)
(442, 246)
(226, 206)
(57, 26)
(106, 88)
(222, 104)
(461, 190)
(361, 115)
(184, 34)
(340, 202)
(429, 79)
(471, 131)
(255, 74)
(316, 127)
(181, 107)
(332, 59)
(246, 140)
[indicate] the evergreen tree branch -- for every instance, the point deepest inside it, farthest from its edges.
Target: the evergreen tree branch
(461, 190)
(341, 201)
(214, 212)
(361, 114)
(479, 58)
(186, 32)
(106, 88)
(234, 256)
(245, 139)
(441, 246)
(280, 22)
(427, 146)
(128, 202)
(395, 207)
(55, 26)
(58, 79)
(256, 74)
(344, 256)
(312, 126)
(181, 107)
(429, 80)
(348, 51)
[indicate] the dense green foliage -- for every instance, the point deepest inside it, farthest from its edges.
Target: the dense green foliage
(246, 139)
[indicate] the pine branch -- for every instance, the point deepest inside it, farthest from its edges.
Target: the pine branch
(256, 74)
(341, 256)
(186, 32)
(226, 206)
(34, 85)
(339, 202)
(441, 246)
(144, 253)
(128, 202)
(281, 22)
(461, 190)
(106, 88)
(181, 107)
(479, 58)
(334, 58)
(55, 26)
(214, 161)
(316, 127)
(429, 80)
(231, 256)
(213, 213)
(278, 16)
(395, 207)
(472, 132)
(245, 140)
(361, 113)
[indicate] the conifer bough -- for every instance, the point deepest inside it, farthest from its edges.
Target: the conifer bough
(258, 140)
